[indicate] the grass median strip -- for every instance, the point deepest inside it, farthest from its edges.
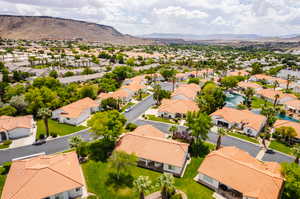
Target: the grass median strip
(279, 146)
(243, 137)
(159, 119)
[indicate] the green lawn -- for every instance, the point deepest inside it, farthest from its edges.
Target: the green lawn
(244, 137)
(279, 146)
(159, 119)
(144, 95)
(96, 174)
(4, 146)
(2, 180)
(56, 127)
(259, 103)
(127, 106)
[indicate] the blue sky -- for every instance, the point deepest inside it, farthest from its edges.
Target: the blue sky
(265, 17)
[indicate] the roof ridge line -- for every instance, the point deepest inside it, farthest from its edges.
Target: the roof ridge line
(64, 175)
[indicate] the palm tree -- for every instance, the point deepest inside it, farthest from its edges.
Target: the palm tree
(249, 92)
(122, 162)
(296, 153)
(140, 94)
(166, 182)
(289, 80)
(221, 132)
(45, 114)
(142, 184)
(276, 99)
(173, 129)
(276, 84)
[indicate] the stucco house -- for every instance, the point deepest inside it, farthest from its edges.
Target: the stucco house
(154, 151)
(245, 85)
(56, 176)
(16, 127)
(125, 95)
(286, 123)
(250, 123)
(234, 174)
(176, 108)
(271, 80)
(76, 112)
(292, 107)
(270, 95)
(186, 92)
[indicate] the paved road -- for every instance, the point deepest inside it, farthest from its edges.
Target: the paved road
(52, 146)
(252, 149)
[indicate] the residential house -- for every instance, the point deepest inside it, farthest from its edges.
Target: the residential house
(286, 123)
(245, 85)
(250, 123)
(186, 92)
(270, 95)
(176, 108)
(296, 89)
(234, 174)
(154, 151)
(125, 95)
(238, 73)
(271, 80)
(77, 112)
(56, 176)
(292, 107)
(16, 127)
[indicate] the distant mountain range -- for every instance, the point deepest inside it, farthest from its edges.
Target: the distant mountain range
(52, 28)
(191, 37)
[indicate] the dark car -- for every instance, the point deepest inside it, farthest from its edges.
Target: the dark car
(39, 142)
(270, 151)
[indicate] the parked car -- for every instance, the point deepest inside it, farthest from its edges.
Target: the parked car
(128, 109)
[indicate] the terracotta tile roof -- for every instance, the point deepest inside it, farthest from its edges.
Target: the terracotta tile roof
(148, 130)
(233, 115)
(43, 176)
(135, 83)
(293, 103)
(153, 148)
(237, 169)
(177, 106)
(8, 123)
(270, 78)
(238, 73)
(76, 108)
(118, 94)
(295, 125)
(249, 85)
(188, 90)
(271, 93)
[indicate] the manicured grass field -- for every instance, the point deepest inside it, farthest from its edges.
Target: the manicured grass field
(160, 119)
(127, 106)
(96, 174)
(56, 127)
(279, 146)
(244, 137)
(259, 103)
(2, 180)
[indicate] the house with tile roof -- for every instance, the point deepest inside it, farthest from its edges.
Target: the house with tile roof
(186, 92)
(57, 176)
(286, 123)
(176, 108)
(292, 107)
(154, 151)
(244, 85)
(250, 123)
(125, 95)
(270, 95)
(271, 80)
(76, 112)
(233, 173)
(16, 127)
(237, 73)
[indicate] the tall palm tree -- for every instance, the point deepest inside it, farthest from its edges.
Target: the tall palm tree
(289, 80)
(296, 153)
(173, 129)
(166, 182)
(140, 94)
(221, 132)
(276, 99)
(276, 84)
(249, 92)
(142, 184)
(45, 114)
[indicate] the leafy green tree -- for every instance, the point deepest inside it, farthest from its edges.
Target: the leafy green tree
(110, 104)
(75, 141)
(257, 68)
(109, 124)
(122, 72)
(130, 61)
(291, 172)
(173, 129)
(45, 114)
(270, 113)
(221, 132)
(286, 132)
(211, 98)
(296, 153)
(8, 110)
(199, 124)
(88, 91)
(18, 102)
(168, 74)
(166, 181)
(15, 90)
(142, 185)
(160, 94)
(229, 82)
(48, 82)
(122, 162)
(194, 80)
(108, 85)
(53, 73)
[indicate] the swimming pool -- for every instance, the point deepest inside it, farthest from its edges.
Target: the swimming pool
(233, 99)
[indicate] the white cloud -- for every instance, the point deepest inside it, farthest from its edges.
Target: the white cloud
(266, 17)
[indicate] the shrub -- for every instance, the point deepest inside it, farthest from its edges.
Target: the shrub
(100, 150)
(7, 142)
(54, 135)
(176, 196)
(42, 136)
(6, 166)
(131, 126)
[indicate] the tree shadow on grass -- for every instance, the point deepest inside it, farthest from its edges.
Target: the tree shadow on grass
(124, 180)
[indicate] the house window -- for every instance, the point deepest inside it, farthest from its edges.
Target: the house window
(78, 189)
(207, 179)
(170, 167)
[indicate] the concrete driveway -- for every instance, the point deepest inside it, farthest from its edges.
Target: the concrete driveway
(25, 140)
